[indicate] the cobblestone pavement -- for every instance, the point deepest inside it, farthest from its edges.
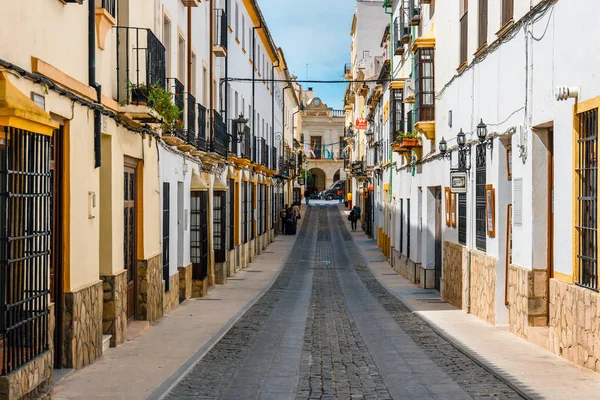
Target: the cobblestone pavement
(327, 329)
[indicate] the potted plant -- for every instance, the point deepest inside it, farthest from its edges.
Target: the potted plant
(398, 148)
(139, 93)
(409, 139)
(162, 102)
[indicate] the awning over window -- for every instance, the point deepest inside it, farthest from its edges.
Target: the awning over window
(219, 186)
(198, 184)
(19, 111)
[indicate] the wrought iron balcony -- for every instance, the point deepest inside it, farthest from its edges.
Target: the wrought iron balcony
(347, 71)
(260, 148)
(191, 119)
(177, 89)
(201, 137)
(274, 158)
(219, 144)
(140, 66)
(220, 34)
(246, 145)
(268, 151)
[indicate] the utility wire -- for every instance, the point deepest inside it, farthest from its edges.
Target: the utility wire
(231, 79)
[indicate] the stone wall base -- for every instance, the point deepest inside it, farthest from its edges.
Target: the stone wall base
(220, 273)
(405, 267)
(251, 251)
(199, 287)
(453, 286)
(185, 283)
(527, 294)
(574, 326)
(114, 312)
(150, 289)
(171, 297)
(483, 286)
(426, 277)
(231, 262)
(83, 315)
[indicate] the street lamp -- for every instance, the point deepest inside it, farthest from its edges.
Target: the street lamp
(461, 138)
(240, 125)
(443, 146)
(482, 135)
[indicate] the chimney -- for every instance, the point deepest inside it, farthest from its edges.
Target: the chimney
(309, 94)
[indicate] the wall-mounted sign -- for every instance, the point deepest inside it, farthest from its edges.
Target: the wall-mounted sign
(301, 181)
(458, 182)
(361, 123)
(357, 168)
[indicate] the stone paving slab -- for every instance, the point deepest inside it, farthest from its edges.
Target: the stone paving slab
(136, 369)
(532, 370)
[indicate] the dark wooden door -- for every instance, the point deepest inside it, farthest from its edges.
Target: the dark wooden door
(438, 237)
(129, 234)
(56, 221)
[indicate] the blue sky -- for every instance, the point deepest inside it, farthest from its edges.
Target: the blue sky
(317, 33)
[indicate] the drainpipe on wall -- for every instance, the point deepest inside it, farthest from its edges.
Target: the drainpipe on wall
(391, 14)
(254, 28)
(92, 82)
(189, 57)
(273, 104)
(211, 101)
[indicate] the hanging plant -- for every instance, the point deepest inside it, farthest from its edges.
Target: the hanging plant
(162, 102)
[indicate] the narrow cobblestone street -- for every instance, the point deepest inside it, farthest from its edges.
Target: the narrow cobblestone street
(327, 329)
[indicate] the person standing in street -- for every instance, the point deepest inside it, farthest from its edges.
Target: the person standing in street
(306, 196)
(282, 217)
(340, 194)
(349, 199)
(354, 217)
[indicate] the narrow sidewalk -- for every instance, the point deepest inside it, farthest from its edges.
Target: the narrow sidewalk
(533, 371)
(151, 363)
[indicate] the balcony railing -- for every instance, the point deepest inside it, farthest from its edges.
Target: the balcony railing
(140, 64)
(110, 6)
(177, 89)
(220, 34)
(201, 137)
(273, 165)
(259, 145)
(246, 145)
(338, 113)
(219, 145)
(191, 119)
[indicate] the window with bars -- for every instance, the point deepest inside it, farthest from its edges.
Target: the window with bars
(315, 142)
(165, 232)
(252, 214)
(219, 225)
(245, 206)
(199, 234)
(464, 31)
(424, 88)
(259, 222)
(407, 228)
(25, 237)
(397, 119)
(401, 225)
(263, 206)
(231, 193)
(462, 218)
(480, 182)
(483, 22)
(587, 199)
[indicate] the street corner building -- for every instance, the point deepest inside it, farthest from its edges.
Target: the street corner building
(134, 174)
(476, 176)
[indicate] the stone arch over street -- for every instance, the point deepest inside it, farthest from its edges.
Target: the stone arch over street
(319, 177)
(336, 176)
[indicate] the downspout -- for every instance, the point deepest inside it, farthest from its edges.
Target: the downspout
(273, 104)
(189, 53)
(92, 82)
(225, 110)
(254, 28)
(391, 14)
(211, 75)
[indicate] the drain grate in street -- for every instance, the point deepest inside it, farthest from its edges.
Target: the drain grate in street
(235, 279)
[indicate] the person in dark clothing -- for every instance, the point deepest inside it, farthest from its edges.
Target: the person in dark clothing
(354, 216)
(306, 196)
(282, 217)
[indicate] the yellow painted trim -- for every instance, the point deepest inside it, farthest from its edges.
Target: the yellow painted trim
(66, 247)
(19, 111)
(139, 209)
(243, 50)
(397, 85)
(256, 20)
(229, 29)
(425, 41)
(110, 103)
(566, 278)
(104, 23)
(237, 40)
(386, 186)
(587, 105)
(427, 128)
(250, 61)
(40, 67)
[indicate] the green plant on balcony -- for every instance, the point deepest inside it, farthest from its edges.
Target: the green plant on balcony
(162, 102)
(409, 139)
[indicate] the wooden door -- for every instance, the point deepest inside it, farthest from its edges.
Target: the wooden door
(438, 237)
(129, 234)
(56, 221)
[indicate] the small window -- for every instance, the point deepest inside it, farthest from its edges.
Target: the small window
(507, 11)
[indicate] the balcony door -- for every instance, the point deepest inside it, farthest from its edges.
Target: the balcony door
(130, 233)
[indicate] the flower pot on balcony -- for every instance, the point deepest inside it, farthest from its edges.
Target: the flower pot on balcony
(410, 142)
(398, 148)
(139, 96)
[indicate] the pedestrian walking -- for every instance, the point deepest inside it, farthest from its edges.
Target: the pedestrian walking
(340, 195)
(283, 217)
(306, 196)
(349, 200)
(354, 216)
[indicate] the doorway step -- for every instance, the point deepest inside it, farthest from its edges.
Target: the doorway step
(136, 328)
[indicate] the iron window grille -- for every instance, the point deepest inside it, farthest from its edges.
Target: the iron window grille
(231, 192)
(25, 240)
(191, 119)
(401, 225)
(410, 121)
(424, 88)
(408, 228)
(220, 27)
(219, 145)
(254, 149)
(587, 200)
(252, 216)
(480, 182)
(245, 210)
(397, 120)
(141, 63)
(201, 137)
(165, 237)
(199, 234)
(462, 218)
(219, 225)
(246, 147)
(110, 6)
